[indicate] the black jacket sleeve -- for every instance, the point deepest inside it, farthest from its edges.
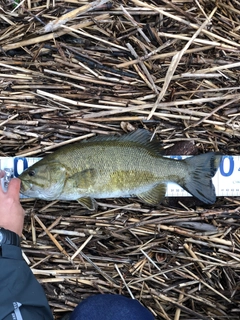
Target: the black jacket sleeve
(21, 296)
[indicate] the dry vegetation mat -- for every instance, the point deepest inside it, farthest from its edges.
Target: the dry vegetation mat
(71, 69)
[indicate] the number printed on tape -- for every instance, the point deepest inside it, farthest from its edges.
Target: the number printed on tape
(226, 180)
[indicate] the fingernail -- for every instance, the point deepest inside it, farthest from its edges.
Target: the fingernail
(2, 173)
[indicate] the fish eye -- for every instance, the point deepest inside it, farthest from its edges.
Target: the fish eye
(31, 173)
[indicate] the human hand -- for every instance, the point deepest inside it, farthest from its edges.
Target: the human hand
(11, 211)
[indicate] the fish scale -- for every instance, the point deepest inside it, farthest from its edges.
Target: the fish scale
(121, 167)
(118, 167)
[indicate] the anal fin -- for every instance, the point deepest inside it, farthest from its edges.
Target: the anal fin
(154, 196)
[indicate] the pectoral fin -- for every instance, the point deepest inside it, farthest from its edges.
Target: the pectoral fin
(153, 196)
(88, 203)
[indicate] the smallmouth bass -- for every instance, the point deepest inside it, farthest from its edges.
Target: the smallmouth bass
(113, 167)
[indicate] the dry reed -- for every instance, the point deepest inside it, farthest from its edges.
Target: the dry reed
(74, 69)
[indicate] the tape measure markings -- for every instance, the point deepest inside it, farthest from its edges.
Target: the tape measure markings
(226, 179)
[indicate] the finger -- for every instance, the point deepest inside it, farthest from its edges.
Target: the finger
(14, 188)
(2, 173)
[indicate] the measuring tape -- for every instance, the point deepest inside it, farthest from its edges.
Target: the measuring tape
(226, 179)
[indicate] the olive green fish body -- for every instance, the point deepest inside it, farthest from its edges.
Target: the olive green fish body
(115, 170)
(109, 167)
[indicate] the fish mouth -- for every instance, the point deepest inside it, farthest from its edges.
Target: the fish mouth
(22, 187)
(25, 186)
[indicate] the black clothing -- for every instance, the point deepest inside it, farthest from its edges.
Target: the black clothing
(21, 296)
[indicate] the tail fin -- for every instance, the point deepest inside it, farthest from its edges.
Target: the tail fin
(200, 171)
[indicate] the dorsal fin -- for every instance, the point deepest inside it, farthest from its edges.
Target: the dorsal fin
(143, 137)
(140, 136)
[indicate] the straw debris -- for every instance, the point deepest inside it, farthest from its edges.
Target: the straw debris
(74, 69)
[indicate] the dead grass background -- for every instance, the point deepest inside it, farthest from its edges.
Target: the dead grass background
(71, 69)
